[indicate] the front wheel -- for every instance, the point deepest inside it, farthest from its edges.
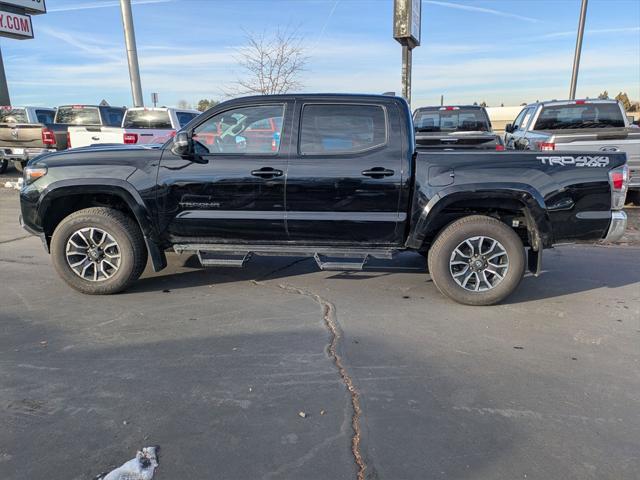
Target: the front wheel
(477, 260)
(3, 166)
(18, 165)
(98, 251)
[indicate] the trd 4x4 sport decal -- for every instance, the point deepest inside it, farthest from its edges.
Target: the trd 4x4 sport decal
(580, 161)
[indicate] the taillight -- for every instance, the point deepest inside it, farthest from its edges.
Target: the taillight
(499, 148)
(48, 137)
(130, 138)
(546, 146)
(618, 178)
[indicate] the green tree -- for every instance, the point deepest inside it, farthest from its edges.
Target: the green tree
(624, 99)
(604, 96)
(205, 104)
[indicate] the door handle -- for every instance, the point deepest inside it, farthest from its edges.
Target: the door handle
(378, 172)
(95, 138)
(267, 172)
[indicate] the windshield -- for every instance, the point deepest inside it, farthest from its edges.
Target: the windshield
(587, 115)
(13, 115)
(460, 120)
(147, 119)
(78, 115)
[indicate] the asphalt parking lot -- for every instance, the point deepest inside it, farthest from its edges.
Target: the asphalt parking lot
(215, 366)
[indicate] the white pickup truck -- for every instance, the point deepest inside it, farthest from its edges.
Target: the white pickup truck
(561, 126)
(140, 125)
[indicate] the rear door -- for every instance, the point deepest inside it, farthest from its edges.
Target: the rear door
(345, 174)
(235, 193)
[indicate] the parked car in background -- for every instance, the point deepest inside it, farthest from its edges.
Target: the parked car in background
(21, 134)
(455, 128)
(345, 184)
(139, 125)
(93, 118)
(578, 125)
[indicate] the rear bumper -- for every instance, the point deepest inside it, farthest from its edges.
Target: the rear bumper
(617, 226)
(15, 154)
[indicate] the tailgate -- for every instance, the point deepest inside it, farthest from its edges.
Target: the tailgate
(24, 135)
(85, 136)
(150, 135)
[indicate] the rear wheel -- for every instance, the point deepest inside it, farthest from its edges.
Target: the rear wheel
(18, 165)
(633, 197)
(477, 260)
(98, 251)
(3, 165)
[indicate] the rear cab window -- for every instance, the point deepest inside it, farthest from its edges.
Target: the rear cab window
(185, 117)
(333, 129)
(450, 119)
(112, 117)
(45, 116)
(13, 115)
(156, 119)
(78, 115)
(580, 115)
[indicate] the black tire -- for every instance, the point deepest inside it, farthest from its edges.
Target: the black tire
(633, 197)
(3, 165)
(122, 228)
(18, 165)
(455, 234)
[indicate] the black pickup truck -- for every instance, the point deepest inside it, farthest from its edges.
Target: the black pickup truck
(335, 177)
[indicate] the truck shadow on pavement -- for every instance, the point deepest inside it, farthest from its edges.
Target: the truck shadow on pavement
(568, 270)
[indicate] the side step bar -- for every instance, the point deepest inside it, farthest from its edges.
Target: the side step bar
(327, 258)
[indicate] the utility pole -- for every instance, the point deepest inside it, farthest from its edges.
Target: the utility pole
(576, 56)
(4, 88)
(406, 30)
(406, 73)
(132, 53)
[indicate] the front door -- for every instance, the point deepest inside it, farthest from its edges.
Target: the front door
(234, 190)
(345, 174)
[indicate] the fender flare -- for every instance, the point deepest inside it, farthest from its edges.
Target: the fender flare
(111, 186)
(538, 222)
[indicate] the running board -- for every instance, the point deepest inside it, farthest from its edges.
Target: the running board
(350, 264)
(214, 259)
(327, 258)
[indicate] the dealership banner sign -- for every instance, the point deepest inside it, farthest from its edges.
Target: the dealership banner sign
(15, 25)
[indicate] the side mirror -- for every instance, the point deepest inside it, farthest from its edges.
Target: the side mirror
(509, 128)
(181, 144)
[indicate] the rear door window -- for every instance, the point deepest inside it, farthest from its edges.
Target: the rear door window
(336, 129)
(158, 119)
(585, 115)
(78, 115)
(185, 117)
(45, 116)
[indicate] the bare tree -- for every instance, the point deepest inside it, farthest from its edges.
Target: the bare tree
(271, 64)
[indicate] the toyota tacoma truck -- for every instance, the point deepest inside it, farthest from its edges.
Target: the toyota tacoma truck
(578, 126)
(23, 134)
(455, 128)
(140, 125)
(345, 184)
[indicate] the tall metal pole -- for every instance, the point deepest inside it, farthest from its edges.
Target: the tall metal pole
(132, 53)
(576, 57)
(406, 73)
(4, 88)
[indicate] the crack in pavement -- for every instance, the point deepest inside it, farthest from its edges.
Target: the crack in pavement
(280, 269)
(335, 334)
(15, 239)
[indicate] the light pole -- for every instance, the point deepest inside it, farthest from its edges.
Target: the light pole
(576, 56)
(406, 30)
(132, 53)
